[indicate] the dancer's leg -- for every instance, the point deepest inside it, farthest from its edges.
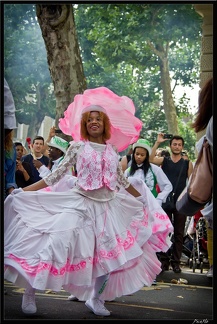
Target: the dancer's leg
(28, 301)
(100, 285)
(95, 303)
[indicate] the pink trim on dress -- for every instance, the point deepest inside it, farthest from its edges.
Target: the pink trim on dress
(112, 254)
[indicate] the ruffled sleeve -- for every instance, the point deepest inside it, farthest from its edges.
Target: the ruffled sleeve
(121, 179)
(69, 161)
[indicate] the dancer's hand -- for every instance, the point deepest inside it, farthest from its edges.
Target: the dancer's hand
(16, 191)
(159, 201)
(72, 181)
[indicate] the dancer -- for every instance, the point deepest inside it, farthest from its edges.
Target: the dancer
(151, 174)
(92, 241)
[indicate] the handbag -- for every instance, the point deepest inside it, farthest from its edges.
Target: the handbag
(198, 192)
(170, 205)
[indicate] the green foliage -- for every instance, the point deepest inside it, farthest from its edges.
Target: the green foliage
(189, 136)
(115, 52)
(116, 36)
(110, 36)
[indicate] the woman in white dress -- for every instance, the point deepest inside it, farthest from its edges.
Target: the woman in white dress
(92, 241)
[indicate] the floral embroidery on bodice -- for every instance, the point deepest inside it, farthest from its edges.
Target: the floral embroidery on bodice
(96, 169)
(98, 164)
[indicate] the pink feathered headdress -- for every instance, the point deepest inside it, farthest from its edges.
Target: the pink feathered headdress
(125, 129)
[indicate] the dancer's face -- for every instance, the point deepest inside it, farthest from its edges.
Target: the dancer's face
(95, 124)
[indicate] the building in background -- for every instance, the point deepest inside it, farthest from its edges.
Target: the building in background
(22, 131)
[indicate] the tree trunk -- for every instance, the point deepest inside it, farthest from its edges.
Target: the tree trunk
(169, 106)
(63, 54)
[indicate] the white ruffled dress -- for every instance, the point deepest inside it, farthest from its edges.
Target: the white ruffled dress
(56, 240)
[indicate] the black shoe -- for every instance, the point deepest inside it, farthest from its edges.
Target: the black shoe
(164, 267)
(177, 269)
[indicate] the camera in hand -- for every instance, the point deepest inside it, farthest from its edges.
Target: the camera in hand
(58, 131)
(168, 136)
